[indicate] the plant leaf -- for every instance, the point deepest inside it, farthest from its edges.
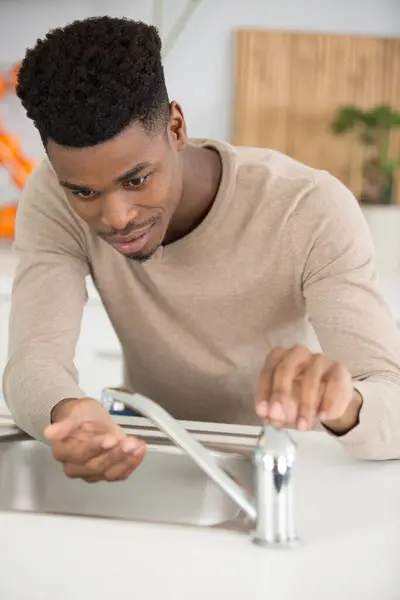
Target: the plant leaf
(346, 119)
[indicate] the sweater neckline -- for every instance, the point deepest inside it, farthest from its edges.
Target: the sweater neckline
(208, 226)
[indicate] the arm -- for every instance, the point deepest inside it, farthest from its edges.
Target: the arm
(48, 298)
(349, 315)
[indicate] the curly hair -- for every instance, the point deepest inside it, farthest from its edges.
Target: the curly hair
(83, 84)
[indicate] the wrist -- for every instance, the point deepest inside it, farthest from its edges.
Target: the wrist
(349, 419)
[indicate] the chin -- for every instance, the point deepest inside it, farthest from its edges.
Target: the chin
(143, 256)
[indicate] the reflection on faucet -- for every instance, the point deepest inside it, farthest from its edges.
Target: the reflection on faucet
(274, 458)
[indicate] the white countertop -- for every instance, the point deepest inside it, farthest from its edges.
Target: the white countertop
(348, 517)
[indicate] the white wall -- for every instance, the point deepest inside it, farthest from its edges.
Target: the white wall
(199, 69)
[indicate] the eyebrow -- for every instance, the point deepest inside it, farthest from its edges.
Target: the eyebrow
(137, 169)
(131, 174)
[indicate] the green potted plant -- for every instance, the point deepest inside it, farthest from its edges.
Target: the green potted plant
(373, 127)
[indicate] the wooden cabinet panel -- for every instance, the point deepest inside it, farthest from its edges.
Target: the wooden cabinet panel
(289, 85)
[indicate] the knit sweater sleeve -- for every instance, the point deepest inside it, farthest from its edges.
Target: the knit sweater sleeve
(347, 310)
(48, 298)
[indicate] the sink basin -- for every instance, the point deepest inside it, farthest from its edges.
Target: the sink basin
(167, 488)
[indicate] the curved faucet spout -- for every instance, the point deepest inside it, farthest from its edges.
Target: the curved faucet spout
(182, 438)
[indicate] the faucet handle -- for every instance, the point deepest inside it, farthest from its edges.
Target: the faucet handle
(275, 459)
(276, 442)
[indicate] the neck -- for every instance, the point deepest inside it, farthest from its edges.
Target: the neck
(202, 175)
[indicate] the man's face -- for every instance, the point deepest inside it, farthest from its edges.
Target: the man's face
(126, 189)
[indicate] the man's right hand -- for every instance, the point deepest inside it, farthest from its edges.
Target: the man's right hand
(89, 444)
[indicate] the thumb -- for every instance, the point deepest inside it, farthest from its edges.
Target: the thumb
(57, 432)
(262, 394)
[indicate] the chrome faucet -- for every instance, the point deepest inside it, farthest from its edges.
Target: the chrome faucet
(274, 459)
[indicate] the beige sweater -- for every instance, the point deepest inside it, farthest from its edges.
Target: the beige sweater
(284, 257)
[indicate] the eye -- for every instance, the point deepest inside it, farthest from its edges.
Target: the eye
(85, 194)
(136, 183)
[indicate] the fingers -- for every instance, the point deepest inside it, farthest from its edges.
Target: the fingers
(297, 386)
(74, 427)
(312, 384)
(337, 394)
(84, 443)
(265, 380)
(77, 450)
(124, 473)
(124, 454)
(275, 398)
(99, 478)
(112, 465)
(119, 471)
(95, 451)
(60, 431)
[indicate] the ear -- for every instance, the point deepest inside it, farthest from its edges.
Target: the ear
(177, 126)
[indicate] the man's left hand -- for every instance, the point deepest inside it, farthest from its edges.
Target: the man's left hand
(296, 387)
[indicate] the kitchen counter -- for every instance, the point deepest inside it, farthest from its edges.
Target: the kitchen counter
(348, 518)
(48, 558)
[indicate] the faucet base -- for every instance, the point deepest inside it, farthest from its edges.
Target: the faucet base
(277, 544)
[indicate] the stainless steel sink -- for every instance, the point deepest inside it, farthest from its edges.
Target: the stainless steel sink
(167, 488)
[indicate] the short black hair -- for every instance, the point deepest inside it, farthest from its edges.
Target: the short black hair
(83, 84)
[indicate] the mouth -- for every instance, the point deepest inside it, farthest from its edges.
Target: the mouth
(133, 243)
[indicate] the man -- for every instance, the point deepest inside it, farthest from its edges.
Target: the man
(225, 271)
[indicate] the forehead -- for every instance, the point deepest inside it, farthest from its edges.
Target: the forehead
(97, 166)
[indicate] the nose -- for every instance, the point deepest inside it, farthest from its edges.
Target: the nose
(117, 212)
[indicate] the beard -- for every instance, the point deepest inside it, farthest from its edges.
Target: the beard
(142, 258)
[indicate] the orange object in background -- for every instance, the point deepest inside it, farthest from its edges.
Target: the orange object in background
(7, 221)
(10, 148)
(19, 166)
(12, 159)
(6, 155)
(3, 86)
(19, 175)
(14, 75)
(9, 80)
(26, 163)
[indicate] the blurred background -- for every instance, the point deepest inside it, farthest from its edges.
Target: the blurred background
(254, 72)
(319, 81)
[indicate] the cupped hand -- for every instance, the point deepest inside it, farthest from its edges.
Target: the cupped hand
(90, 445)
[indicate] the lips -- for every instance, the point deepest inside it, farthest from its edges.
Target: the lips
(133, 243)
(130, 238)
